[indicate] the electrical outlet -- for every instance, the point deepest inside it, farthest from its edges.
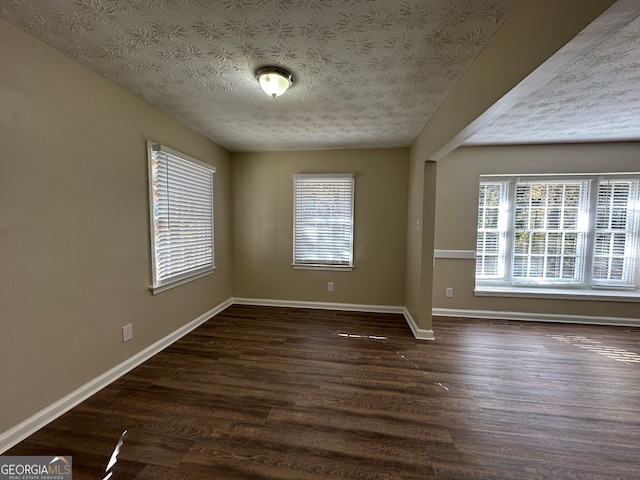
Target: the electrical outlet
(448, 292)
(127, 333)
(329, 286)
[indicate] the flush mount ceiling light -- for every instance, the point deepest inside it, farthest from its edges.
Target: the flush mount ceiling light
(274, 80)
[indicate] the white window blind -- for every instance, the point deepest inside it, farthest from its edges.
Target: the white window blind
(323, 220)
(616, 233)
(565, 231)
(491, 230)
(549, 236)
(181, 201)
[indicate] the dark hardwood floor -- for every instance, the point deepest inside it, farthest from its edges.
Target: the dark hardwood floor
(275, 393)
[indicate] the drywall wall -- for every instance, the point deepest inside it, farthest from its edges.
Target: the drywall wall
(457, 209)
(263, 227)
(532, 33)
(74, 226)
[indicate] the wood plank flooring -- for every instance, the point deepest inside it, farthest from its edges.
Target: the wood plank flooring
(276, 393)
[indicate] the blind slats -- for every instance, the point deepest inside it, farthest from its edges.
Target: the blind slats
(548, 235)
(489, 257)
(581, 231)
(182, 213)
(323, 219)
(615, 245)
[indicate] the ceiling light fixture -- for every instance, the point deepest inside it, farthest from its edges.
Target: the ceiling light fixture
(274, 80)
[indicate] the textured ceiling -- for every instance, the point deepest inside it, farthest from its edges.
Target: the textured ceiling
(587, 92)
(369, 73)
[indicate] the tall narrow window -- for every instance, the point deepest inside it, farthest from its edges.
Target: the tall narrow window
(323, 220)
(616, 233)
(181, 201)
(491, 230)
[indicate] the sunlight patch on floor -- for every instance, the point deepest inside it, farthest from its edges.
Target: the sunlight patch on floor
(615, 353)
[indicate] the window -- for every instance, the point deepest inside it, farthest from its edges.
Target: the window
(323, 220)
(549, 236)
(181, 204)
(491, 230)
(616, 233)
(559, 232)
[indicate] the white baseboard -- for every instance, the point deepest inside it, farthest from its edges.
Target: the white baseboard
(21, 431)
(350, 307)
(536, 317)
(420, 334)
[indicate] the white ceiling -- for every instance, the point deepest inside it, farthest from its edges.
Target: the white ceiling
(588, 92)
(368, 73)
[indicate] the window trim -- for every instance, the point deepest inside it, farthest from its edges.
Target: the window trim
(319, 265)
(162, 285)
(503, 263)
(504, 286)
(599, 294)
(583, 232)
(632, 225)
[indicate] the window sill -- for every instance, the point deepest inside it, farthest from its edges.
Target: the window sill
(602, 295)
(333, 268)
(177, 283)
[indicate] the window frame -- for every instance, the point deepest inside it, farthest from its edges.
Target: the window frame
(161, 283)
(581, 231)
(632, 244)
(500, 232)
(586, 285)
(319, 264)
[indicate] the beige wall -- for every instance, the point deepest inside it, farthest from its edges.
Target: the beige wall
(74, 226)
(263, 222)
(533, 32)
(74, 235)
(457, 198)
